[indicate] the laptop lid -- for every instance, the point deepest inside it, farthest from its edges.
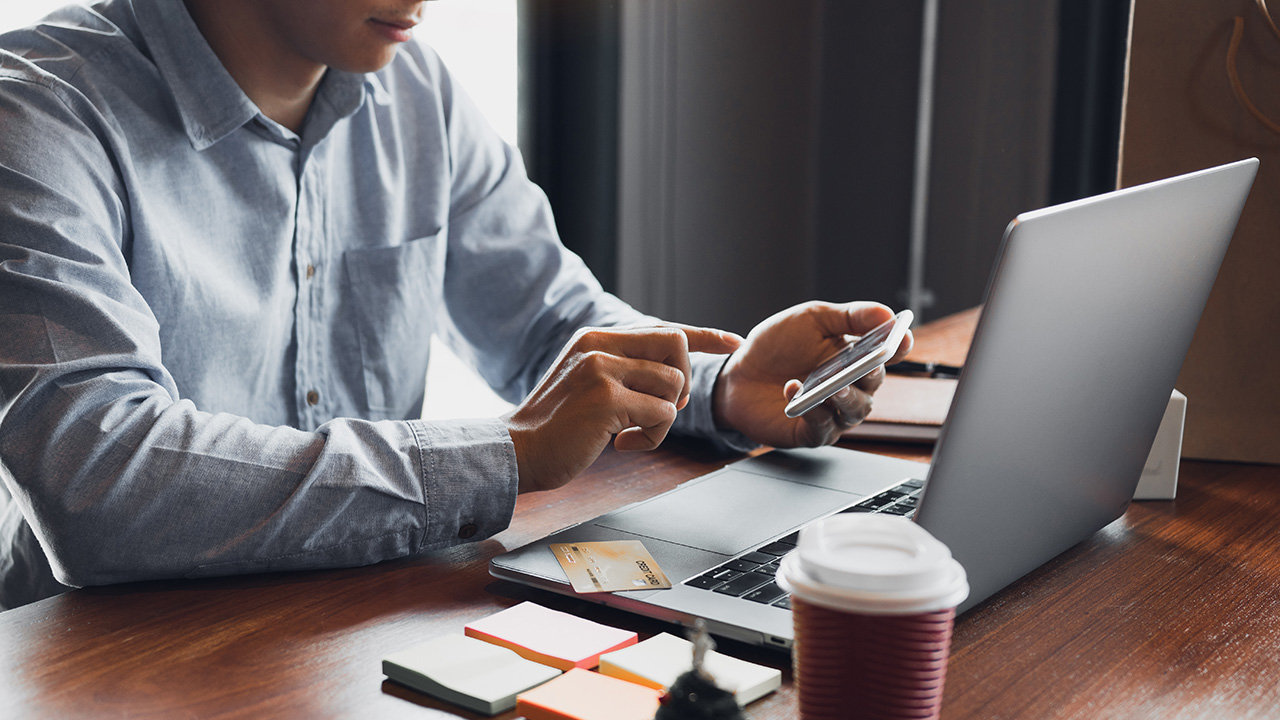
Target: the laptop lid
(1088, 315)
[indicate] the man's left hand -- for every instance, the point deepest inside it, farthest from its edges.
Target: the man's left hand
(762, 376)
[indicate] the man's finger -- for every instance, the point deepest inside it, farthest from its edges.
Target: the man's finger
(848, 407)
(645, 423)
(872, 381)
(908, 342)
(667, 343)
(705, 340)
(709, 340)
(854, 318)
(651, 378)
(821, 426)
(659, 343)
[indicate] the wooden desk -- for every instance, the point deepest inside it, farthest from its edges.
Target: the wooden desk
(1171, 611)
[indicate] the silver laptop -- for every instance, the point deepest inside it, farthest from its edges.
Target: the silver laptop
(1088, 314)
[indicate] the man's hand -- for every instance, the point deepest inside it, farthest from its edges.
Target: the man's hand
(763, 375)
(627, 382)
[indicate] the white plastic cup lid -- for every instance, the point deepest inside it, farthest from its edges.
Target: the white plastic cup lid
(873, 564)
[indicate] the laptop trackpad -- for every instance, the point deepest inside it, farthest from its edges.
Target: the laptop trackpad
(728, 512)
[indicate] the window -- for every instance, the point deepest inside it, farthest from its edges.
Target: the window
(16, 14)
(477, 41)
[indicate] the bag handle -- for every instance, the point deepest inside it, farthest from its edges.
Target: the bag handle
(1232, 50)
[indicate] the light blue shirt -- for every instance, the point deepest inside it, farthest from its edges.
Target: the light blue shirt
(214, 333)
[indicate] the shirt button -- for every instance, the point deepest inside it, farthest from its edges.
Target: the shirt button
(311, 271)
(467, 531)
(313, 397)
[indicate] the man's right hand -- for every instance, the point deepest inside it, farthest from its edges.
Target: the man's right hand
(626, 382)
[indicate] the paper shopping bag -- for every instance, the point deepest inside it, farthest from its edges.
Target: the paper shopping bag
(1203, 88)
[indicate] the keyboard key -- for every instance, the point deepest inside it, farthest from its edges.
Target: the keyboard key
(857, 509)
(897, 510)
(784, 602)
(704, 582)
(908, 502)
(741, 565)
(912, 483)
(758, 558)
(793, 538)
(742, 585)
(713, 579)
(765, 594)
(777, 549)
(876, 502)
(770, 569)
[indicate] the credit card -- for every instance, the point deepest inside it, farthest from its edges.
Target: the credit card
(609, 566)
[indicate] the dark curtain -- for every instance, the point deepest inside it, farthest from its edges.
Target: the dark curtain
(569, 111)
(569, 120)
(1092, 40)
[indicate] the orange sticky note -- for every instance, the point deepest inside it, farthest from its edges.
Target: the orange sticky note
(549, 636)
(585, 695)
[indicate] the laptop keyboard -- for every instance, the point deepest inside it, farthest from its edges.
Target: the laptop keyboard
(750, 576)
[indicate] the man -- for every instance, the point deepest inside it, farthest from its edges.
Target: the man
(228, 230)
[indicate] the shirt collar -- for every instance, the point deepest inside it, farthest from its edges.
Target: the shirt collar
(343, 93)
(210, 102)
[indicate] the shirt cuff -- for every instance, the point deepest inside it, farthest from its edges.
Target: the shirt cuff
(697, 419)
(469, 479)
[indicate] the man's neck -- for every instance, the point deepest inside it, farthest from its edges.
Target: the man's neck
(281, 82)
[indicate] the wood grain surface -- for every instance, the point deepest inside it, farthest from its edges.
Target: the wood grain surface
(945, 340)
(1173, 611)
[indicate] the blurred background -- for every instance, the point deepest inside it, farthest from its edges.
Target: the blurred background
(718, 160)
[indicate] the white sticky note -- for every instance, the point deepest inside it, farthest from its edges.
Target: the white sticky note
(658, 661)
(549, 636)
(474, 674)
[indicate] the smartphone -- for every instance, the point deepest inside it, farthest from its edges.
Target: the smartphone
(850, 363)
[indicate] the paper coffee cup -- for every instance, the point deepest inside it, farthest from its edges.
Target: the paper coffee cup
(873, 600)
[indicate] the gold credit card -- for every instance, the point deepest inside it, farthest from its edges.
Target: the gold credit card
(609, 566)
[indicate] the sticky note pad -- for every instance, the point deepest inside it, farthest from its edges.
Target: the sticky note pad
(550, 637)
(658, 661)
(474, 674)
(585, 695)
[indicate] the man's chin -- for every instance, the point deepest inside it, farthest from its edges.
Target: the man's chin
(366, 62)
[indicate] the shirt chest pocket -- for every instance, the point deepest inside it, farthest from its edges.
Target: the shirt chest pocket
(394, 293)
